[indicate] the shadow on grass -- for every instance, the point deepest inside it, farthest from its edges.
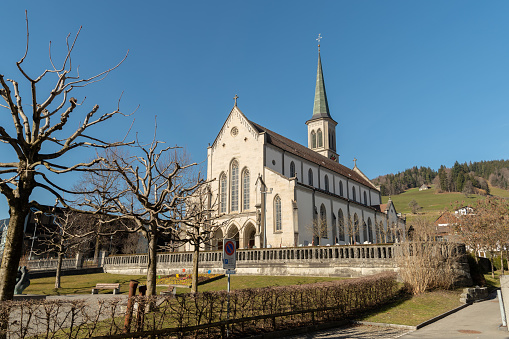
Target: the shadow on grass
(398, 299)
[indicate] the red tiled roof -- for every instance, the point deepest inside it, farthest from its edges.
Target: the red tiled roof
(310, 155)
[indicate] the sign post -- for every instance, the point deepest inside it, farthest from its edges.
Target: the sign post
(229, 264)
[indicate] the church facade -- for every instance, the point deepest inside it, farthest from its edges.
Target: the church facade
(274, 192)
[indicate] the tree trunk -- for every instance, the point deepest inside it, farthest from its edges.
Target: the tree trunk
(492, 266)
(13, 248)
(152, 264)
(502, 261)
(96, 249)
(59, 270)
(196, 260)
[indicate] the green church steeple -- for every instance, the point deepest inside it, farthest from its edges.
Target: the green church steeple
(321, 107)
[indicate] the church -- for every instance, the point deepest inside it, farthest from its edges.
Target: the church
(274, 192)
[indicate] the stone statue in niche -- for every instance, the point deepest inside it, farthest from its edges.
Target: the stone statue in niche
(22, 280)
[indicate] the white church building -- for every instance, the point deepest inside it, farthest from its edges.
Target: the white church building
(273, 192)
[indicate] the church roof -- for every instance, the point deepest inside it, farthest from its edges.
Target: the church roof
(321, 106)
(310, 155)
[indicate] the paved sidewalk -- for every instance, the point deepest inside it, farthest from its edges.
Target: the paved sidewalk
(480, 320)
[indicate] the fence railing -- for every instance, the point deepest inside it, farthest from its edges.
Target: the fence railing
(268, 255)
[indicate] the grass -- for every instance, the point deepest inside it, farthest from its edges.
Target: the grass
(413, 310)
(238, 282)
(83, 284)
(80, 284)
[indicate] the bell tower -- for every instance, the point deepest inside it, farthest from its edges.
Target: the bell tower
(321, 126)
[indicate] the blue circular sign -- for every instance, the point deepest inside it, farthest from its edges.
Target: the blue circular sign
(229, 248)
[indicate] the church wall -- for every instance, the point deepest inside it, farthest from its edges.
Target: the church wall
(288, 158)
(284, 188)
(274, 158)
(375, 197)
(314, 168)
(305, 211)
(330, 175)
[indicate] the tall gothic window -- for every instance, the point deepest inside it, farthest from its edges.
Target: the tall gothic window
(277, 213)
(326, 183)
(292, 169)
(356, 228)
(341, 188)
(323, 222)
(370, 231)
(364, 231)
(222, 193)
(313, 139)
(310, 177)
(319, 136)
(235, 186)
(245, 190)
(365, 198)
(341, 225)
(353, 194)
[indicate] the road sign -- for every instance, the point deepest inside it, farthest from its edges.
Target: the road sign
(229, 247)
(231, 271)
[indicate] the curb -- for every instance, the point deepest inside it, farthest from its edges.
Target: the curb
(300, 330)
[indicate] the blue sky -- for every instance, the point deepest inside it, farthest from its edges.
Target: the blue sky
(410, 83)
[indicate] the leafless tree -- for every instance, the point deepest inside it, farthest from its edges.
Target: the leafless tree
(157, 186)
(61, 236)
(199, 224)
(425, 262)
(41, 135)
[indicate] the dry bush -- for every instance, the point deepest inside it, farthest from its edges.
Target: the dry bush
(308, 304)
(424, 262)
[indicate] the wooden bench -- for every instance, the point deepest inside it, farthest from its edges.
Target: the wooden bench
(114, 287)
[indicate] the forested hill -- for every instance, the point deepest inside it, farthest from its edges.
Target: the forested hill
(469, 178)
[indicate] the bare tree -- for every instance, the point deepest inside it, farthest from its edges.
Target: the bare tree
(61, 236)
(157, 186)
(425, 262)
(200, 224)
(39, 136)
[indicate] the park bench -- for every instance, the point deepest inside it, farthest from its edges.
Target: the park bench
(103, 286)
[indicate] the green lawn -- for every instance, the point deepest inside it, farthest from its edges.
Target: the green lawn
(83, 284)
(413, 310)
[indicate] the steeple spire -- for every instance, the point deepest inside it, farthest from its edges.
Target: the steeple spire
(321, 107)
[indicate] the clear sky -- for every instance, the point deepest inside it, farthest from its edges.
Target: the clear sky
(410, 83)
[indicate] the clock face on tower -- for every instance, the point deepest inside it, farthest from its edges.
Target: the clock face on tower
(333, 157)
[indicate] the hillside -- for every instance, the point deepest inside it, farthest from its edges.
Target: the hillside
(433, 203)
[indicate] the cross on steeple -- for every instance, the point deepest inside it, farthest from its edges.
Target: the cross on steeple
(235, 98)
(318, 39)
(354, 162)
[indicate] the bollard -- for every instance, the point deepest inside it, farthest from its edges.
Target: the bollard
(129, 311)
(140, 314)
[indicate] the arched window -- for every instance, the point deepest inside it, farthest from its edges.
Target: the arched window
(323, 222)
(234, 186)
(356, 228)
(353, 194)
(370, 231)
(326, 183)
(319, 136)
(292, 169)
(313, 139)
(277, 213)
(341, 188)
(341, 225)
(364, 232)
(222, 193)
(365, 198)
(245, 190)
(335, 239)
(310, 177)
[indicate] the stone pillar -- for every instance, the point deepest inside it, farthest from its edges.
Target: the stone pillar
(102, 256)
(79, 260)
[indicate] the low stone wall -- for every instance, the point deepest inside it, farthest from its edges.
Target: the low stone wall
(337, 261)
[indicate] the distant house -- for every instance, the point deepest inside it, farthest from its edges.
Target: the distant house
(424, 187)
(445, 224)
